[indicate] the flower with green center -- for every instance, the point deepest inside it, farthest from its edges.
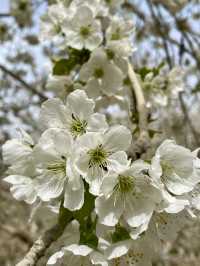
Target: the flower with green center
(124, 185)
(127, 193)
(78, 127)
(101, 75)
(173, 166)
(98, 157)
(77, 116)
(54, 156)
(116, 35)
(101, 152)
(98, 73)
(83, 30)
(57, 167)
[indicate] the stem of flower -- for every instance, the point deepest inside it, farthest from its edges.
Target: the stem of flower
(143, 140)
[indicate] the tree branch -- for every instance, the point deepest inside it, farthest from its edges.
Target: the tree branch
(143, 141)
(187, 118)
(44, 242)
(5, 15)
(24, 83)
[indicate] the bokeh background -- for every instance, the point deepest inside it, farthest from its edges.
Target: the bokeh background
(166, 32)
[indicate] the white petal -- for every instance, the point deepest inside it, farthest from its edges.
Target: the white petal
(55, 257)
(97, 122)
(98, 258)
(15, 150)
(118, 138)
(23, 188)
(108, 210)
(138, 211)
(53, 144)
(177, 206)
(111, 85)
(108, 184)
(118, 161)
(50, 186)
(178, 185)
(54, 115)
(74, 199)
(80, 105)
(81, 250)
(93, 88)
(117, 250)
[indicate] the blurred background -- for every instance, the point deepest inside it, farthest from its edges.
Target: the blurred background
(167, 33)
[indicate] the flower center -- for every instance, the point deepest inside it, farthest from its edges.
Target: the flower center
(110, 54)
(78, 127)
(57, 167)
(85, 32)
(98, 157)
(98, 73)
(116, 35)
(124, 185)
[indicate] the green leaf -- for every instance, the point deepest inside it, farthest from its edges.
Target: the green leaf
(75, 57)
(88, 233)
(145, 70)
(62, 67)
(120, 234)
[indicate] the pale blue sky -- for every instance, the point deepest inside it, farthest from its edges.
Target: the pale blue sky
(4, 6)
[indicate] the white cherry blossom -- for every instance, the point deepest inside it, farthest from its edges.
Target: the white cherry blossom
(97, 72)
(83, 31)
(128, 193)
(100, 152)
(77, 115)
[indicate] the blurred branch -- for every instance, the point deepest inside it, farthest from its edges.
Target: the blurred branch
(5, 15)
(44, 242)
(187, 118)
(24, 83)
(131, 7)
(160, 30)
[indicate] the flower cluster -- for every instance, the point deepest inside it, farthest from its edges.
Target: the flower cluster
(123, 209)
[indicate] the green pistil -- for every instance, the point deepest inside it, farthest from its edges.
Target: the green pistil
(57, 167)
(78, 127)
(85, 32)
(57, 28)
(110, 54)
(98, 73)
(116, 36)
(98, 157)
(124, 185)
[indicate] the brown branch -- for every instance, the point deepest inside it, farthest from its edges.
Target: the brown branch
(131, 7)
(187, 118)
(44, 242)
(24, 83)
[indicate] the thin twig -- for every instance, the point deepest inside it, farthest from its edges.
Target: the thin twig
(24, 83)
(44, 242)
(187, 118)
(5, 15)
